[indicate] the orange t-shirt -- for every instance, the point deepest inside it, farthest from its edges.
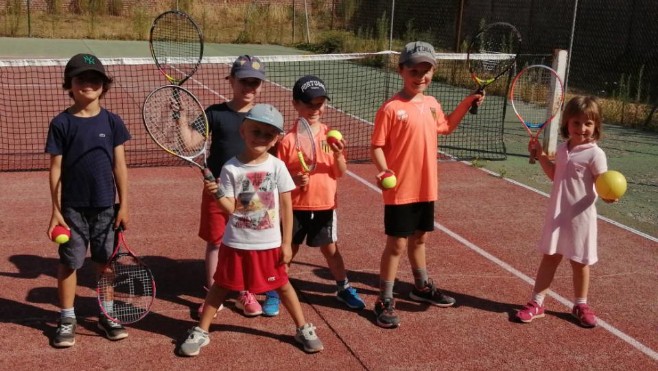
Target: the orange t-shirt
(321, 191)
(407, 132)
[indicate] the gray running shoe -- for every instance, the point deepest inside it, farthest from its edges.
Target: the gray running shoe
(65, 335)
(196, 339)
(385, 313)
(307, 336)
(113, 330)
(430, 294)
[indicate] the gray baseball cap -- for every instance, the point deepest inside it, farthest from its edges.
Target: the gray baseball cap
(417, 52)
(266, 114)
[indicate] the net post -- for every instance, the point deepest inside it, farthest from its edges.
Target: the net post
(550, 140)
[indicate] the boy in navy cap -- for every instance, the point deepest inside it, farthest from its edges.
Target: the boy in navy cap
(255, 252)
(314, 200)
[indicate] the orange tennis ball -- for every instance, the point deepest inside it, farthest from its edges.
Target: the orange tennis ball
(60, 235)
(334, 136)
(388, 180)
(611, 185)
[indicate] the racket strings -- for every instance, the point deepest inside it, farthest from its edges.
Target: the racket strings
(499, 44)
(165, 115)
(305, 143)
(129, 287)
(177, 45)
(533, 96)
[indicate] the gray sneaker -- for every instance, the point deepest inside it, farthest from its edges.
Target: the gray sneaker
(65, 335)
(113, 330)
(307, 336)
(196, 339)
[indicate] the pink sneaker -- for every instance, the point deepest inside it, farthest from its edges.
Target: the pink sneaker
(585, 315)
(249, 305)
(531, 311)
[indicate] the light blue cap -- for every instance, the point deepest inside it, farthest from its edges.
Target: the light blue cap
(266, 114)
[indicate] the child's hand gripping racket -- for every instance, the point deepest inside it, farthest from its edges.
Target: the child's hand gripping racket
(184, 134)
(537, 95)
(125, 288)
(305, 145)
(491, 53)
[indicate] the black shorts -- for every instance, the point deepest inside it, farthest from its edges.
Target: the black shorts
(405, 220)
(90, 226)
(318, 228)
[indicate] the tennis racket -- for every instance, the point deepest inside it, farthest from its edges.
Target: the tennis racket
(179, 126)
(125, 288)
(176, 45)
(305, 145)
(537, 94)
(491, 53)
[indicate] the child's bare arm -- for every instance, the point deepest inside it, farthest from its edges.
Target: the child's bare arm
(121, 178)
(340, 163)
(55, 180)
(285, 208)
(462, 109)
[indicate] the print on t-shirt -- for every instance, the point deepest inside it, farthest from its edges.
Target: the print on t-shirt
(256, 202)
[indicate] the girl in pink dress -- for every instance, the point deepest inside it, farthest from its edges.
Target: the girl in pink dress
(570, 223)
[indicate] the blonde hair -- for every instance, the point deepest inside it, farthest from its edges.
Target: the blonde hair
(579, 105)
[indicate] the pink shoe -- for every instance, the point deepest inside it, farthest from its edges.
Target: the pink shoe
(585, 315)
(249, 305)
(531, 311)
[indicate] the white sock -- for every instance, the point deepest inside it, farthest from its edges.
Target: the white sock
(67, 313)
(581, 301)
(538, 298)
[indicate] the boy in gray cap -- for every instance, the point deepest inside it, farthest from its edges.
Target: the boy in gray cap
(404, 142)
(256, 248)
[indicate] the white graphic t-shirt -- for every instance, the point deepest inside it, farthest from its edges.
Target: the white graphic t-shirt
(254, 225)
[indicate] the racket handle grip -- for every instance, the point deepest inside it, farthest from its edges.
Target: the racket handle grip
(533, 156)
(207, 175)
(474, 106)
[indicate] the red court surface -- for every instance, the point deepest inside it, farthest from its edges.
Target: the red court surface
(483, 253)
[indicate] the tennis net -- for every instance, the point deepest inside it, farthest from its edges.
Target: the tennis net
(31, 94)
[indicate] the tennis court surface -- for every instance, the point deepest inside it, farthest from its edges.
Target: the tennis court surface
(482, 253)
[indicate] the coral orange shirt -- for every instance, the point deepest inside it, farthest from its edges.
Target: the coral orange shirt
(320, 194)
(407, 132)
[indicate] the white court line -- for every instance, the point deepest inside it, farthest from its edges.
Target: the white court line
(613, 330)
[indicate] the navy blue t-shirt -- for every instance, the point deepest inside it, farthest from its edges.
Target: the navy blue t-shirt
(87, 148)
(226, 142)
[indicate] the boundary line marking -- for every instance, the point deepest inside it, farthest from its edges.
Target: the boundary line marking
(613, 330)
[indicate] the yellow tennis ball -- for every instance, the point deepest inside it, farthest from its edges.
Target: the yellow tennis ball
(334, 136)
(611, 185)
(389, 181)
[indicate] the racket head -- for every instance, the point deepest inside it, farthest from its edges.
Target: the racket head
(177, 122)
(305, 145)
(176, 45)
(537, 95)
(127, 283)
(492, 52)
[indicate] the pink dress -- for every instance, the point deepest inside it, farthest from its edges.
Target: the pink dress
(570, 223)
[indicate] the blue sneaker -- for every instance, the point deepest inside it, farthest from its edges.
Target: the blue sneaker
(350, 298)
(271, 304)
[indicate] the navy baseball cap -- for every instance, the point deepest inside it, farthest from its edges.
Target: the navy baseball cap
(246, 66)
(309, 87)
(266, 114)
(80, 63)
(417, 52)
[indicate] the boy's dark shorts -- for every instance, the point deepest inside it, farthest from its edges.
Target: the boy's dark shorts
(405, 220)
(319, 228)
(90, 226)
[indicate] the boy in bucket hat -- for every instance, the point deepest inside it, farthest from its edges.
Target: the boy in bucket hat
(254, 191)
(404, 142)
(246, 79)
(314, 200)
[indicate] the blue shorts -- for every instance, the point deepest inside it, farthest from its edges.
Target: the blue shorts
(318, 228)
(90, 226)
(405, 220)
